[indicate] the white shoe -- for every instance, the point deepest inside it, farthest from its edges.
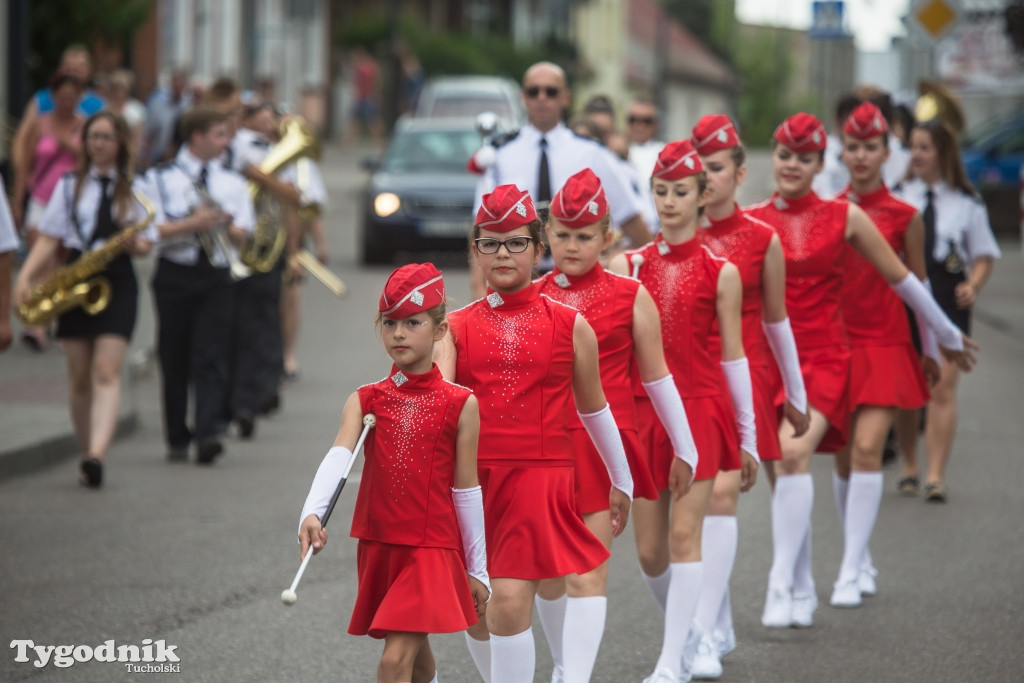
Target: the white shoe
(845, 594)
(662, 675)
(866, 581)
(706, 665)
(725, 642)
(778, 609)
(557, 675)
(804, 605)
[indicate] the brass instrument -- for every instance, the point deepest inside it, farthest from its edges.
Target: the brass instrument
(78, 284)
(322, 273)
(939, 102)
(216, 238)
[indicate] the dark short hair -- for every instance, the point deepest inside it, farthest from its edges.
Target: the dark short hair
(200, 120)
(845, 106)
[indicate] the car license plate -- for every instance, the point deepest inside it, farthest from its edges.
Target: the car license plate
(444, 228)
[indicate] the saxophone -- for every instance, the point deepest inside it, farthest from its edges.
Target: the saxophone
(79, 283)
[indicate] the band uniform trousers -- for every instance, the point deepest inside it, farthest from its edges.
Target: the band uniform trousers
(257, 345)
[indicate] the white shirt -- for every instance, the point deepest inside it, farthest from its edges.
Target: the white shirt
(72, 221)
(8, 235)
(834, 178)
(250, 149)
(895, 168)
(518, 161)
(961, 219)
(173, 190)
(644, 156)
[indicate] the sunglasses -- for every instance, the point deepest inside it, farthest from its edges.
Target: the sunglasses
(534, 91)
(646, 120)
(513, 245)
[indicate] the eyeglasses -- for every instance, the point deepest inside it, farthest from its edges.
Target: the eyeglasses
(534, 91)
(646, 120)
(105, 137)
(513, 245)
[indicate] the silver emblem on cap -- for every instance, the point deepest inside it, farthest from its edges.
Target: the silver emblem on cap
(417, 298)
(521, 210)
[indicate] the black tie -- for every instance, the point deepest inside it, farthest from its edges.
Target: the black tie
(104, 217)
(929, 229)
(201, 182)
(543, 175)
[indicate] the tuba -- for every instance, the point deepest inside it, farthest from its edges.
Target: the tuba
(270, 237)
(939, 102)
(79, 283)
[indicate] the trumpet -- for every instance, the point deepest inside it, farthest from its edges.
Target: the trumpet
(216, 238)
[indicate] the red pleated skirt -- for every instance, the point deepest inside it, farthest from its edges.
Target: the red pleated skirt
(714, 433)
(766, 383)
(592, 482)
(407, 588)
(533, 525)
(826, 372)
(888, 376)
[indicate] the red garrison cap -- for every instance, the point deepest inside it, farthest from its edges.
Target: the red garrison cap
(676, 161)
(714, 133)
(866, 121)
(505, 209)
(581, 201)
(802, 133)
(411, 289)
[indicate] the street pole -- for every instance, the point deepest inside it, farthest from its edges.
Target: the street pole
(17, 64)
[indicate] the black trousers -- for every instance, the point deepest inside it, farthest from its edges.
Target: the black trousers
(257, 345)
(194, 308)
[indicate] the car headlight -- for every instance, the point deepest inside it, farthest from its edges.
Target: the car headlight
(386, 203)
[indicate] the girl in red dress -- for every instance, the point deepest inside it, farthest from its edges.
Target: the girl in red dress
(814, 234)
(692, 288)
(885, 372)
(418, 494)
(754, 248)
(527, 357)
(627, 325)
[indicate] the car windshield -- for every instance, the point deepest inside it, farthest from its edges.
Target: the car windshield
(445, 151)
(983, 134)
(470, 106)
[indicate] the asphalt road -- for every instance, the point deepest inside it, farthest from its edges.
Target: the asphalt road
(198, 557)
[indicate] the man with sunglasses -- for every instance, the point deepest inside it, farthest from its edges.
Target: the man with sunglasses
(644, 147)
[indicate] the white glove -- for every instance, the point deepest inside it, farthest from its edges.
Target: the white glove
(918, 298)
(737, 376)
(670, 410)
(783, 345)
(469, 508)
(605, 435)
(332, 468)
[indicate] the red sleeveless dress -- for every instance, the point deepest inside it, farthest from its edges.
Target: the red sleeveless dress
(744, 241)
(412, 576)
(813, 235)
(683, 280)
(884, 367)
(515, 351)
(606, 302)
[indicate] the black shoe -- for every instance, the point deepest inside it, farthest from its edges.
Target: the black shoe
(207, 452)
(270, 404)
(92, 473)
(177, 454)
(246, 425)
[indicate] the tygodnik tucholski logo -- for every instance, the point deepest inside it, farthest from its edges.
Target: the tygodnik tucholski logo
(150, 657)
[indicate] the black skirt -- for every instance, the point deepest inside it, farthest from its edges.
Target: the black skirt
(944, 290)
(118, 317)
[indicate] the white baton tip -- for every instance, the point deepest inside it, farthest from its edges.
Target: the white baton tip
(637, 259)
(369, 420)
(289, 597)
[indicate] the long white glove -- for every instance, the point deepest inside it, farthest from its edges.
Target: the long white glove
(737, 376)
(469, 508)
(669, 407)
(605, 435)
(783, 345)
(918, 298)
(929, 344)
(330, 472)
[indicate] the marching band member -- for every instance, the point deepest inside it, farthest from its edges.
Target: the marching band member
(418, 493)
(960, 252)
(526, 357)
(754, 248)
(203, 211)
(814, 233)
(89, 207)
(626, 322)
(692, 288)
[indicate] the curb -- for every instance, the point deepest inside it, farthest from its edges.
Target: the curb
(50, 452)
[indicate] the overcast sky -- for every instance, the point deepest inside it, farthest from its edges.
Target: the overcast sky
(873, 22)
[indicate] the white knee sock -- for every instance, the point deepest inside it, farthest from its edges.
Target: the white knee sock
(658, 585)
(723, 625)
(683, 592)
(718, 553)
(480, 651)
(791, 522)
(803, 576)
(513, 658)
(861, 511)
(552, 620)
(584, 627)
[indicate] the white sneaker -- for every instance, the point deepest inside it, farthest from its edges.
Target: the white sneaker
(557, 675)
(706, 665)
(804, 605)
(725, 642)
(866, 581)
(778, 609)
(662, 675)
(845, 594)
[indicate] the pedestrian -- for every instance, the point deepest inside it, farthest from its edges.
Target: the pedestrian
(834, 176)
(90, 207)
(203, 212)
(528, 358)
(960, 252)
(418, 492)
(755, 249)
(625, 319)
(693, 289)
(814, 234)
(121, 102)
